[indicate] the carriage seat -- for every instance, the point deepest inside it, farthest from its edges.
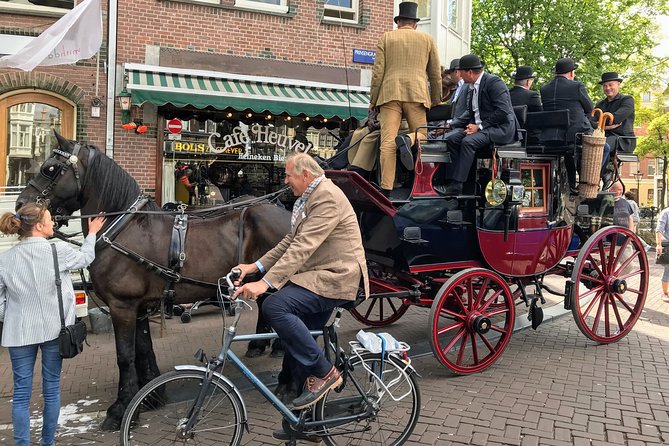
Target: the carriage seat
(515, 149)
(553, 126)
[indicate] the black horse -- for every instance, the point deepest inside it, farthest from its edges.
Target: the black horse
(79, 177)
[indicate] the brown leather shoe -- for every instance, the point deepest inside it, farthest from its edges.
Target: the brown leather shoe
(316, 388)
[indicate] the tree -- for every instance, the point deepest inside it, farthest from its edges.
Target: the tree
(656, 143)
(601, 36)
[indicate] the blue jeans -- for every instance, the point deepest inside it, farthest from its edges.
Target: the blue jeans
(292, 312)
(23, 363)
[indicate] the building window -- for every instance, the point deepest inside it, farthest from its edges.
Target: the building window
(423, 9)
(341, 10)
(651, 197)
(454, 15)
(533, 177)
(646, 97)
(262, 5)
(651, 170)
(49, 8)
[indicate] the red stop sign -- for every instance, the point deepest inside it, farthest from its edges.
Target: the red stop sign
(174, 125)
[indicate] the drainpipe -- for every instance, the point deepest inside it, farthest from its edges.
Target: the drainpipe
(112, 21)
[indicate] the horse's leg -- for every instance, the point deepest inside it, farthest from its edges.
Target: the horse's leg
(124, 319)
(257, 347)
(145, 358)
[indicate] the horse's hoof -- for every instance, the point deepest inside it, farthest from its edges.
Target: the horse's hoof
(110, 425)
(276, 353)
(254, 352)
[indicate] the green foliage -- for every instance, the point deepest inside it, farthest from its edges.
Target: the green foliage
(601, 36)
(656, 143)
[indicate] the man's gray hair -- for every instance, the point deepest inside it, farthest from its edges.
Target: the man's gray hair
(304, 162)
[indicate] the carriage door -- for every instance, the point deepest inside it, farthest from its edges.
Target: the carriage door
(27, 122)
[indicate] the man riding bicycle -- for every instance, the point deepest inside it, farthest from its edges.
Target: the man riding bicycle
(318, 266)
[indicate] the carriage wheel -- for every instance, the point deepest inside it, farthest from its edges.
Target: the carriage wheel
(380, 312)
(472, 320)
(610, 281)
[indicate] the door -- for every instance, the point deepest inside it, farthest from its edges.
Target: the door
(27, 123)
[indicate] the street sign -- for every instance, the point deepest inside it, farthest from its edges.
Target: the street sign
(174, 137)
(174, 126)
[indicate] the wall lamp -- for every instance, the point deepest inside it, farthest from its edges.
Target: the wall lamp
(125, 101)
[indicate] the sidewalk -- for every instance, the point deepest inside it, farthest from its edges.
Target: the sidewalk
(552, 386)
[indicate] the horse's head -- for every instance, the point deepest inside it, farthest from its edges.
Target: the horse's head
(60, 178)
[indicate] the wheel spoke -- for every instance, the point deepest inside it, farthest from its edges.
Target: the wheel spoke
(620, 253)
(390, 302)
(621, 326)
(475, 352)
(624, 304)
(593, 263)
(458, 298)
(371, 306)
(491, 300)
(607, 328)
(450, 345)
(496, 312)
(498, 329)
(612, 252)
(626, 263)
(452, 314)
(602, 256)
(482, 292)
(463, 345)
(593, 290)
(470, 294)
(592, 303)
(595, 324)
(487, 343)
(381, 308)
(631, 273)
(449, 328)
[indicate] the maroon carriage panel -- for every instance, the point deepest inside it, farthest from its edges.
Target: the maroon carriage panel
(524, 253)
(362, 195)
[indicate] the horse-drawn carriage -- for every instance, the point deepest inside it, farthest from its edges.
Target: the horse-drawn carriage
(471, 258)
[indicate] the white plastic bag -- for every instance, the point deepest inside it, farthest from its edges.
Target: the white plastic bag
(372, 341)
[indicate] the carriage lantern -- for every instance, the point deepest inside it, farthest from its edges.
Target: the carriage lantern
(125, 102)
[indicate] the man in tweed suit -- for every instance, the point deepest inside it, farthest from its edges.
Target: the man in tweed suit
(399, 88)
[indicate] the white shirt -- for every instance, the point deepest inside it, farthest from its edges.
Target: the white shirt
(28, 296)
(475, 100)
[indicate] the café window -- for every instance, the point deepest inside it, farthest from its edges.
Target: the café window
(533, 177)
(341, 10)
(262, 5)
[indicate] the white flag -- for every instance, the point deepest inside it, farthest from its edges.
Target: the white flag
(77, 35)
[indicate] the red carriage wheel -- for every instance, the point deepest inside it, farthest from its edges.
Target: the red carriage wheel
(380, 312)
(472, 320)
(610, 281)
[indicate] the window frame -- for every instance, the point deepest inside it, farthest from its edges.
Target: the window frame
(354, 9)
(260, 6)
(545, 169)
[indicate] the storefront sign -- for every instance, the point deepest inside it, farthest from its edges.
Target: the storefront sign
(364, 56)
(260, 134)
(174, 125)
(200, 148)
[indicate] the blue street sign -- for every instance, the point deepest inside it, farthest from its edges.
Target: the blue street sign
(364, 56)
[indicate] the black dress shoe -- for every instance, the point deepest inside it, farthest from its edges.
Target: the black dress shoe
(302, 436)
(452, 189)
(607, 180)
(254, 352)
(404, 146)
(315, 388)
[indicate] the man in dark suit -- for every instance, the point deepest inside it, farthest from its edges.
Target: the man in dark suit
(622, 108)
(520, 93)
(565, 93)
(489, 119)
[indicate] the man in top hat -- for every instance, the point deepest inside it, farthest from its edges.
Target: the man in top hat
(565, 93)
(489, 119)
(521, 94)
(400, 90)
(622, 108)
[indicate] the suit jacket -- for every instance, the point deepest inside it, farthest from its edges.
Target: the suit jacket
(523, 96)
(564, 94)
(622, 109)
(403, 56)
(460, 103)
(497, 118)
(323, 252)
(28, 296)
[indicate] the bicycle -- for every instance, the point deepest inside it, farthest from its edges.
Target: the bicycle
(377, 403)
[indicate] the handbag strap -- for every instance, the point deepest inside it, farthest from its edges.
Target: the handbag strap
(58, 285)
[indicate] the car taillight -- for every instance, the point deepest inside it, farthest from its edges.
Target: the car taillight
(80, 298)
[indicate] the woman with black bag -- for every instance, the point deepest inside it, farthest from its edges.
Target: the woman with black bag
(29, 310)
(662, 244)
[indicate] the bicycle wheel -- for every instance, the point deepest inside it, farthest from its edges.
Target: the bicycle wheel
(159, 410)
(394, 421)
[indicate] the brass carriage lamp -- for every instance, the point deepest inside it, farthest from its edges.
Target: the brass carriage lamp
(125, 101)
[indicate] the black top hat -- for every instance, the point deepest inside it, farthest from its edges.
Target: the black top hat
(610, 76)
(455, 65)
(408, 10)
(565, 65)
(470, 62)
(523, 72)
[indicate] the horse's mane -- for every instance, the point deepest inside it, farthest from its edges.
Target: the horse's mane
(116, 189)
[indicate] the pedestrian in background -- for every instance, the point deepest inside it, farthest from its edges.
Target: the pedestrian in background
(662, 235)
(631, 199)
(29, 310)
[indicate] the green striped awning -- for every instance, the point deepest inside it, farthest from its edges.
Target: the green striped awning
(201, 89)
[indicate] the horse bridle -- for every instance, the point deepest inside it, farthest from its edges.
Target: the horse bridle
(44, 183)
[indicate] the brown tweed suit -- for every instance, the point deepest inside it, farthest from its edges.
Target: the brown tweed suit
(399, 88)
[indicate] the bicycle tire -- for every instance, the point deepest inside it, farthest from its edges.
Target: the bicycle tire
(391, 425)
(156, 411)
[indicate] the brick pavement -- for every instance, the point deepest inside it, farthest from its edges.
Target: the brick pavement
(550, 387)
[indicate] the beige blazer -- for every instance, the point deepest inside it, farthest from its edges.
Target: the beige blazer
(403, 57)
(323, 253)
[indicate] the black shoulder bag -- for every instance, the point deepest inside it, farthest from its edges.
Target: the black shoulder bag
(71, 338)
(663, 259)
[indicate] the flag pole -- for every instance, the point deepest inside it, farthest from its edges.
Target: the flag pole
(112, 26)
